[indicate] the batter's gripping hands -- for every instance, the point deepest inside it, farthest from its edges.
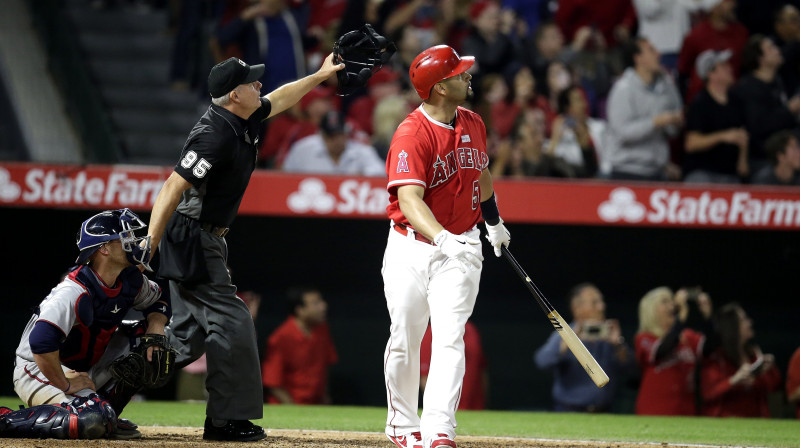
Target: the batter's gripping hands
(465, 250)
(498, 235)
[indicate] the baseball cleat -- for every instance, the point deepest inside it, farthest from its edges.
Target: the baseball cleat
(233, 431)
(410, 440)
(443, 440)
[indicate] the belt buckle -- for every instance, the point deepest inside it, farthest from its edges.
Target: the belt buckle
(222, 231)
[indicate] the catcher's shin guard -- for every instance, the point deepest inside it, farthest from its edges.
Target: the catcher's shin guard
(83, 418)
(119, 394)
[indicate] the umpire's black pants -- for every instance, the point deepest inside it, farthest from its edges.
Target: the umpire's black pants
(209, 317)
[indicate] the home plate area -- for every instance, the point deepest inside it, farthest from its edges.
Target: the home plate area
(156, 436)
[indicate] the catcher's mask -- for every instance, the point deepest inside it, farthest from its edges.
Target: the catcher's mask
(363, 53)
(113, 225)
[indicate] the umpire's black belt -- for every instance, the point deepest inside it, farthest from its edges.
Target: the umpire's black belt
(214, 229)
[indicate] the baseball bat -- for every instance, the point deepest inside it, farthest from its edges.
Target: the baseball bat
(575, 345)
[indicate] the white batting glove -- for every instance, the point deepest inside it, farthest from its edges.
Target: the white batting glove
(498, 235)
(461, 248)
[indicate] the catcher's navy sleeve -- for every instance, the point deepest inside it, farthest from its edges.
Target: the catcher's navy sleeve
(45, 338)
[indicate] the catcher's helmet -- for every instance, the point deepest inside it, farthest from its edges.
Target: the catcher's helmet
(363, 52)
(435, 64)
(113, 225)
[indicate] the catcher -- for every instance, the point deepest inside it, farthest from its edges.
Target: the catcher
(78, 364)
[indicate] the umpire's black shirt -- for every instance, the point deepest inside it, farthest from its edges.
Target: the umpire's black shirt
(217, 159)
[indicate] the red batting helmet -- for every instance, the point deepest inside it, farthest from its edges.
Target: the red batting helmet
(435, 64)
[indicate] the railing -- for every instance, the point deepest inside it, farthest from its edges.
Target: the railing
(70, 72)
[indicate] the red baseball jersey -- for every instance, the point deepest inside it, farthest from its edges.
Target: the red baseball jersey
(667, 388)
(446, 160)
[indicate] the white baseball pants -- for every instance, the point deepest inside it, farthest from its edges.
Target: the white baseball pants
(420, 282)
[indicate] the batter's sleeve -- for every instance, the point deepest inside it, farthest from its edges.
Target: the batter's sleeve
(408, 161)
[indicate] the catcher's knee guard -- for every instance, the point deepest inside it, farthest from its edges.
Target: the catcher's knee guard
(82, 418)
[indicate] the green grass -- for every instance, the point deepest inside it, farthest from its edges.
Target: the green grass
(597, 427)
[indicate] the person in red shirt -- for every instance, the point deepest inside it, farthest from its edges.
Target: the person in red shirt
(737, 378)
(793, 381)
(614, 19)
(439, 190)
(299, 352)
(385, 83)
(719, 31)
(476, 377)
(667, 352)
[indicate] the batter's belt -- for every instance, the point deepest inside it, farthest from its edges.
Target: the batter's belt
(403, 229)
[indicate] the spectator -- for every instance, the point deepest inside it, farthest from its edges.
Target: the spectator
(664, 24)
(476, 376)
(431, 19)
(716, 141)
(388, 114)
(737, 377)
(299, 352)
(574, 133)
(300, 121)
(719, 31)
(793, 381)
(523, 154)
(559, 78)
(532, 12)
(644, 109)
(667, 351)
(573, 390)
(787, 38)
(333, 151)
(265, 32)
(503, 112)
(784, 153)
(614, 19)
(766, 106)
(493, 49)
(547, 45)
(380, 85)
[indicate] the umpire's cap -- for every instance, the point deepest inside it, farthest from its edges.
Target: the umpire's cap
(229, 74)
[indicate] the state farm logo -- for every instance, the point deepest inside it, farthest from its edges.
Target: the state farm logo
(9, 190)
(621, 204)
(354, 197)
(42, 186)
(717, 208)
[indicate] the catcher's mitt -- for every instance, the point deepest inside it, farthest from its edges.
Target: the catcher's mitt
(136, 371)
(363, 53)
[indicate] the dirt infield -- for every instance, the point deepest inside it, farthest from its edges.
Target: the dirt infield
(192, 437)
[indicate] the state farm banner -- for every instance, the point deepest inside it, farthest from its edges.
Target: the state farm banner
(527, 201)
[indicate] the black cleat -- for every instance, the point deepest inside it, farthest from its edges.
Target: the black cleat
(233, 431)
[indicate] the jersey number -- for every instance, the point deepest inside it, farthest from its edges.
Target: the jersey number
(476, 194)
(200, 169)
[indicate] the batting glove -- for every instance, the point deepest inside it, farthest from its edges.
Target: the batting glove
(461, 248)
(497, 235)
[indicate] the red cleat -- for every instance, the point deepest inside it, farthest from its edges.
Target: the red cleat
(410, 440)
(443, 440)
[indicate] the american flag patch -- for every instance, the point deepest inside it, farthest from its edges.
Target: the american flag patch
(465, 139)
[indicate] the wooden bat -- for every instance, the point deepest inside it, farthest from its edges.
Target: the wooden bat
(575, 345)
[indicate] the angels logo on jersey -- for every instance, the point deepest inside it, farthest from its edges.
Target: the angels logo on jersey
(461, 158)
(402, 165)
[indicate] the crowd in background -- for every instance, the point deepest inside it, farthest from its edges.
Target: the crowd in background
(684, 90)
(688, 357)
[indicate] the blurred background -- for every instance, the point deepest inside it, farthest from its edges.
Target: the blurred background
(122, 82)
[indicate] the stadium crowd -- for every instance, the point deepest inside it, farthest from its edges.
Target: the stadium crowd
(684, 90)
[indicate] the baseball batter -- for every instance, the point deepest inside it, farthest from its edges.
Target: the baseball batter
(439, 189)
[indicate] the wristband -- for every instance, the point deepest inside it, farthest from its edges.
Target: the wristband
(490, 212)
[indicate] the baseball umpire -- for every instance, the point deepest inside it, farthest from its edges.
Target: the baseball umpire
(439, 188)
(190, 218)
(74, 366)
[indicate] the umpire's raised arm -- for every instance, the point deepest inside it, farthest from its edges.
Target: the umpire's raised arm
(287, 95)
